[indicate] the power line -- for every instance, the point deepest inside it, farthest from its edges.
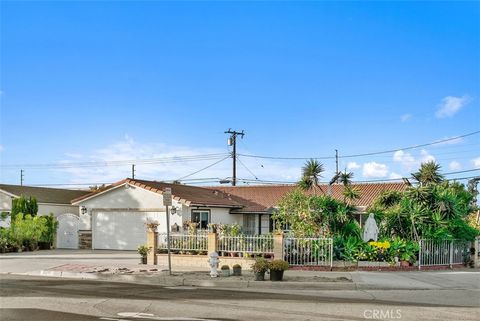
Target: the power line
(203, 168)
(366, 154)
(248, 169)
(172, 159)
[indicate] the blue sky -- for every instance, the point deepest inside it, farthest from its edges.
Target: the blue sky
(102, 81)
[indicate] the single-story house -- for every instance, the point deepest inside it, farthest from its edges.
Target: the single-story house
(50, 200)
(115, 217)
(261, 200)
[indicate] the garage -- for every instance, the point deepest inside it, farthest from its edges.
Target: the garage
(121, 230)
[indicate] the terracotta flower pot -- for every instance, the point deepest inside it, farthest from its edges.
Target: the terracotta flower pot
(404, 263)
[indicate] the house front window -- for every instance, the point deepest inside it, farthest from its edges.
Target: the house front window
(202, 217)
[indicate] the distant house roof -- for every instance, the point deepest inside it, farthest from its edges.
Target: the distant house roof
(190, 195)
(263, 198)
(44, 194)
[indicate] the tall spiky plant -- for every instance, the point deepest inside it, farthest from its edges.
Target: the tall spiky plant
(429, 173)
(311, 174)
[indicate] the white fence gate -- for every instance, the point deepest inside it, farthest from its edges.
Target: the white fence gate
(308, 251)
(443, 252)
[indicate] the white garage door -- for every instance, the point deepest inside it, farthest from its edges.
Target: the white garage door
(121, 230)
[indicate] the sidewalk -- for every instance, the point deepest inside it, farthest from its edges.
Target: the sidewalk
(123, 266)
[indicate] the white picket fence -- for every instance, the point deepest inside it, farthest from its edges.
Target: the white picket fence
(252, 244)
(184, 242)
(443, 252)
(308, 251)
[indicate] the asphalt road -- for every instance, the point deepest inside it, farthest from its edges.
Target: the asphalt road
(25, 298)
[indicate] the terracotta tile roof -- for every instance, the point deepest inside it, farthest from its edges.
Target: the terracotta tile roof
(190, 195)
(44, 194)
(263, 198)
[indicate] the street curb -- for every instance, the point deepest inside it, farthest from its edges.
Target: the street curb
(164, 280)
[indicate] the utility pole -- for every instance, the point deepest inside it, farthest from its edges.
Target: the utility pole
(21, 177)
(232, 141)
(336, 161)
(133, 171)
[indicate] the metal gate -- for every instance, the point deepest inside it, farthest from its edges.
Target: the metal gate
(308, 251)
(442, 252)
(67, 233)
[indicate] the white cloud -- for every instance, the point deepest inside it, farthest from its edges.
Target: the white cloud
(129, 149)
(454, 166)
(405, 159)
(374, 170)
(453, 141)
(353, 165)
(410, 162)
(450, 105)
(405, 117)
(426, 156)
(394, 175)
(476, 162)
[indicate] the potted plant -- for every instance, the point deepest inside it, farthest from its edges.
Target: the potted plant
(225, 270)
(259, 268)
(237, 270)
(277, 267)
(143, 250)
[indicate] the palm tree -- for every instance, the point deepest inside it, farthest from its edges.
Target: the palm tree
(345, 178)
(429, 173)
(311, 173)
(351, 193)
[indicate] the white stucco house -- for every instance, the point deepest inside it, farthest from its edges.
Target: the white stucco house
(50, 200)
(115, 217)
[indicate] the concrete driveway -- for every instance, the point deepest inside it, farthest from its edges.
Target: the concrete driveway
(28, 262)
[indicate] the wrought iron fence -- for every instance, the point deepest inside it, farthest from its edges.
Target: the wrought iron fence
(443, 252)
(252, 244)
(184, 242)
(308, 251)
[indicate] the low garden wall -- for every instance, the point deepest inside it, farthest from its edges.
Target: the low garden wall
(201, 261)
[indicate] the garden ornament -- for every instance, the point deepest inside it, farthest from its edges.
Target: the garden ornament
(370, 230)
(213, 262)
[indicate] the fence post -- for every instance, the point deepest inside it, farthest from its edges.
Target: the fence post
(152, 244)
(451, 253)
(212, 242)
(476, 246)
(331, 253)
(420, 255)
(278, 246)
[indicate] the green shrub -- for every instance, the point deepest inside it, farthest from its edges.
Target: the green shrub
(51, 226)
(260, 265)
(26, 230)
(278, 265)
(143, 250)
(24, 205)
(225, 267)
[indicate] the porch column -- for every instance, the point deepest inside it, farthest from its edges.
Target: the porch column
(278, 246)
(212, 242)
(152, 243)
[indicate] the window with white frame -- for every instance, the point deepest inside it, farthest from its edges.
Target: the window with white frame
(202, 217)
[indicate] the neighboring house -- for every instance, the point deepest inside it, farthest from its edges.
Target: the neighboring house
(261, 200)
(115, 217)
(50, 200)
